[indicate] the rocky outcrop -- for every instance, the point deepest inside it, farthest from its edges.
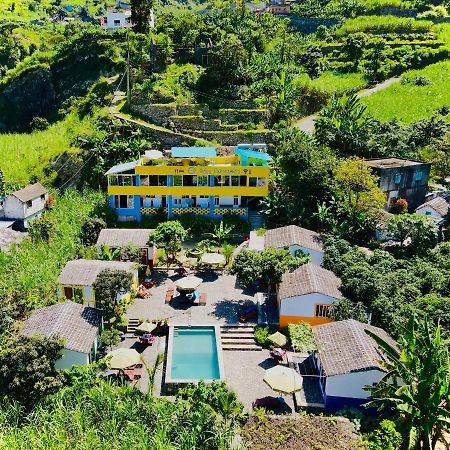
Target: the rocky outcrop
(31, 94)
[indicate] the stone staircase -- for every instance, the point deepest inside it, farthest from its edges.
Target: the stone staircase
(132, 325)
(238, 337)
(256, 220)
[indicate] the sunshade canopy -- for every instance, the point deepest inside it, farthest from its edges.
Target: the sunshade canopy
(283, 379)
(122, 358)
(278, 339)
(188, 283)
(213, 258)
(146, 327)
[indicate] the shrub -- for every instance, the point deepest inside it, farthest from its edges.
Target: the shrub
(301, 337)
(262, 333)
(385, 437)
(91, 229)
(42, 229)
(400, 206)
(39, 124)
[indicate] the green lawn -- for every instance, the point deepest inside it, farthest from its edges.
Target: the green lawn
(27, 154)
(408, 102)
(334, 82)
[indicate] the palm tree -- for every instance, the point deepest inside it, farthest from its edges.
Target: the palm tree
(106, 254)
(416, 384)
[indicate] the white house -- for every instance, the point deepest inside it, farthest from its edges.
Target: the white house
(79, 326)
(437, 208)
(296, 238)
(78, 276)
(113, 20)
(115, 238)
(347, 360)
(25, 204)
(306, 295)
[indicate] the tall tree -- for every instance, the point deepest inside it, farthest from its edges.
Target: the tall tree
(27, 368)
(109, 287)
(417, 383)
(140, 15)
(354, 48)
(169, 235)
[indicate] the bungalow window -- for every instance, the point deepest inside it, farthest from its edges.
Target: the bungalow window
(322, 311)
(29, 203)
(418, 175)
(398, 178)
(116, 23)
(43, 197)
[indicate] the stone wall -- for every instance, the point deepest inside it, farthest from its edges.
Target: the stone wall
(238, 137)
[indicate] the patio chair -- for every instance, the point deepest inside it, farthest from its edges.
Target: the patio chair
(248, 314)
(277, 355)
(202, 300)
(267, 402)
(169, 295)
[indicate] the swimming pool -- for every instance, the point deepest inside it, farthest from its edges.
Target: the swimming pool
(194, 353)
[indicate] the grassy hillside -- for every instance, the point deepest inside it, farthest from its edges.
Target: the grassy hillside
(27, 154)
(408, 101)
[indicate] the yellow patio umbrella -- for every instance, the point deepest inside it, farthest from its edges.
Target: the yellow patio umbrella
(146, 327)
(122, 358)
(278, 339)
(212, 258)
(283, 379)
(188, 283)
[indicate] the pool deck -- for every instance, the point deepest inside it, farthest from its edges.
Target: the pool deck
(244, 370)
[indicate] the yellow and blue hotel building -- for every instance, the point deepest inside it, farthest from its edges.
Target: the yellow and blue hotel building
(207, 181)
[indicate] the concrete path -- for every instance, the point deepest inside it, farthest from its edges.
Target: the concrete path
(307, 123)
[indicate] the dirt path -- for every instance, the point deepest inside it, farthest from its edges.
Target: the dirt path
(307, 123)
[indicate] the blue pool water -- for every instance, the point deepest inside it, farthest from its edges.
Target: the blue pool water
(194, 354)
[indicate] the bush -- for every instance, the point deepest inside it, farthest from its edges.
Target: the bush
(385, 437)
(197, 226)
(39, 124)
(262, 334)
(91, 229)
(42, 229)
(301, 337)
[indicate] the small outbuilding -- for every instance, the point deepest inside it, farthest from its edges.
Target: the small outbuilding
(437, 208)
(306, 295)
(26, 204)
(290, 237)
(79, 326)
(78, 276)
(120, 238)
(348, 360)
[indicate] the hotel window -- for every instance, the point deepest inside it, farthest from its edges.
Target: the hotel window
(124, 201)
(262, 182)
(235, 181)
(157, 180)
(257, 182)
(178, 180)
(216, 201)
(189, 180)
(145, 181)
(236, 201)
(322, 311)
(202, 180)
(220, 180)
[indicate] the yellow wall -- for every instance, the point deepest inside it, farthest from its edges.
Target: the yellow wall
(189, 190)
(286, 320)
(253, 171)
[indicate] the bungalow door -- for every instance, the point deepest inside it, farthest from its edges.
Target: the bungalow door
(68, 292)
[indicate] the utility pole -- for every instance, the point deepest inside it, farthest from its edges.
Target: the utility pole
(128, 73)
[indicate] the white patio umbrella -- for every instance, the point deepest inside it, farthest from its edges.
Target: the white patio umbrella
(283, 379)
(122, 358)
(212, 258)
(146, 327)
(278, 339)
(188, 283)
(153, 154)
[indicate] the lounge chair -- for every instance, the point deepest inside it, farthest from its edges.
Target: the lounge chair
(249, 313)
(202, 300)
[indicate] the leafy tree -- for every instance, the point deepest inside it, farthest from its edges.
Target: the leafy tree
(344, 309)
(27, 368)
(354, 46)
(246, 267)
(42, 229)
(345, 126)
(417, 383)
(356, 188)
(384, 437)
(106, 254)
(109, 287)
(169, 235)
(91, 229)
(227, 252)
(140, 15)
(313, 61)
(110, 337)
(441, 158)
(376, 56)
(415, 233)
